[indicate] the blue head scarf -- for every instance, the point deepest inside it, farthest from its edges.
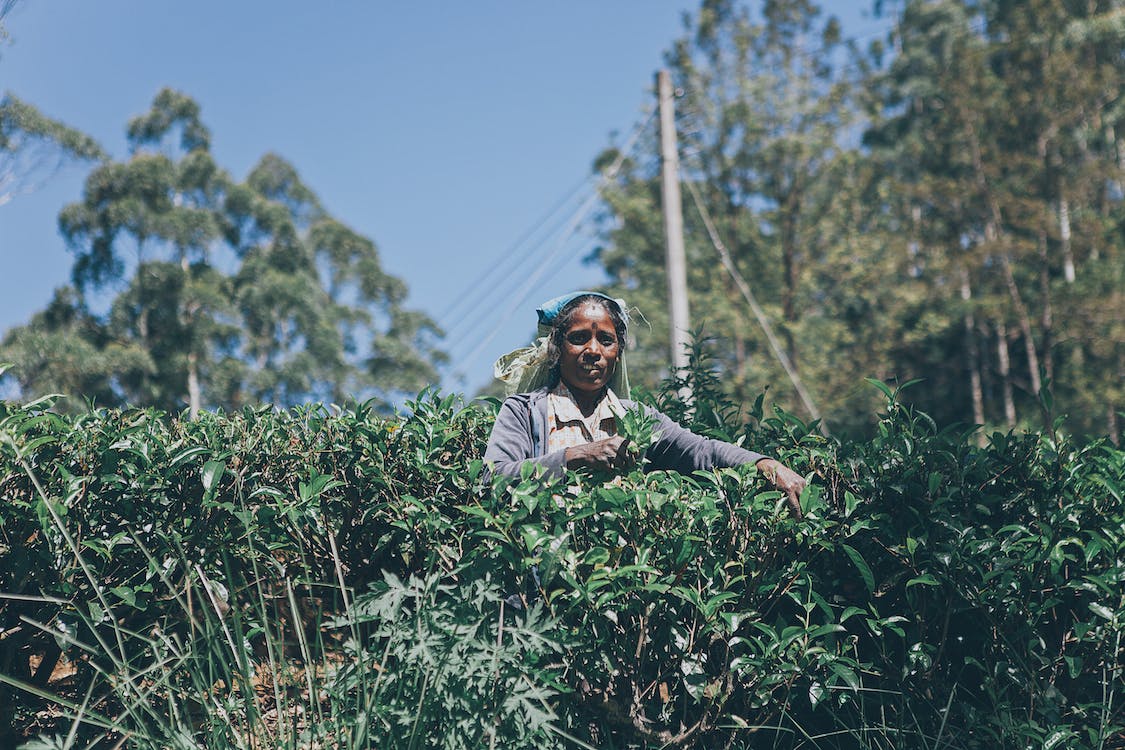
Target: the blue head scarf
(526, 369)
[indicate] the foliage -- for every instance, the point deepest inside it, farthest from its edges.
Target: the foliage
(448, 667)
(33, 145)
(222, 292)
(639, 430)
(285, 578)
(765, 101)
(946, 204)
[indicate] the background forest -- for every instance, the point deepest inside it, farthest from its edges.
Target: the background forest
(913, 242)
(944, 203)
(948, 206)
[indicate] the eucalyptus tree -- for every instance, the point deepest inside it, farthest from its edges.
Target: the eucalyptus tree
(34, 146)
(928, 166)
(765, 115)
(1062, 63)
(64, 348)
(321, 317)
(994, 125)
(233, 292)
(147, 228)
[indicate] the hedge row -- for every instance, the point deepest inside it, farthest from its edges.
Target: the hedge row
(936, 594)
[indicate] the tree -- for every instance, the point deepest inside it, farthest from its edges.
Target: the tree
(971, 237)
(235, 292)
(34, 146)
(994, 125)
(66, 349)
(764, 112)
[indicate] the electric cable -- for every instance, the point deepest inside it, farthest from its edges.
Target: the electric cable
(479, 310)
(503, 258)
(529, 285)
(748, 295)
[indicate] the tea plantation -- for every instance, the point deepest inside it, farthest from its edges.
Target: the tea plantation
(325, 578)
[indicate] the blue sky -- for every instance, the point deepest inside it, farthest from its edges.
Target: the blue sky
(442, 130)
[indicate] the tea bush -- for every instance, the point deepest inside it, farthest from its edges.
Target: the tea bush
(325, 577)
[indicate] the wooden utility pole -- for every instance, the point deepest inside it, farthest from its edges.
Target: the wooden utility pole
(676, 265)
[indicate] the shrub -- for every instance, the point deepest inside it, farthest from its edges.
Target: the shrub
(321, 577)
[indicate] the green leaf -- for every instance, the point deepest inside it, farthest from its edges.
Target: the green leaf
(922, 580)
(596, 556)
(1101, 611)
(187, 455)
(1057, 737)
(211, 473)
(883, 387)
(126, 595)
(847, 674)
(533, 537)
(821, 630)
(861, 565)
(317, 485)
(816, 693)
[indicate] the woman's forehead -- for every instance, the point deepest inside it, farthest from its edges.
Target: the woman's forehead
(590, 312)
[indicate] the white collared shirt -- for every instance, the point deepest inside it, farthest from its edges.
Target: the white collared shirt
(567, 428)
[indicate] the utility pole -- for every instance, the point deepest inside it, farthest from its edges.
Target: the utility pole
(676, 265)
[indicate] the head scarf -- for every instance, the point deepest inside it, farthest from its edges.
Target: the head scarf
(526, 369)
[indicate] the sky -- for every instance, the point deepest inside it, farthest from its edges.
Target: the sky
(446, 131)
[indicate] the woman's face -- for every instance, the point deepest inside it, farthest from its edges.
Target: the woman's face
(589, 352)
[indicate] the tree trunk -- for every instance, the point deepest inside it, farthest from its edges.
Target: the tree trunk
(1005, 374)
(1047, 321)
(1113, 424)
(195, 396)
(1025, 324)
(974, 358)
(1064, 237)
(994, 232)
(1119, 157)
(789, 250)
(739, 354)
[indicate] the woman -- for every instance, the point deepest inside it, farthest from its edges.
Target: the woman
(566, 418)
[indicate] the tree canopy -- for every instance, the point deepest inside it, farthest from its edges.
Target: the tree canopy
(945, 203)
(946, 206)
(220, 292)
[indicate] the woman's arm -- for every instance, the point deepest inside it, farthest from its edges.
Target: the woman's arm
(510, 444)
(679, 449)
(682, 450)
(786, 480)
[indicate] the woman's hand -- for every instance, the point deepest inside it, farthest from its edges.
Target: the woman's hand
(610, 454)
(786, 480)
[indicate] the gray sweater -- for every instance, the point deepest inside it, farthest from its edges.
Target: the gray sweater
(520, 435)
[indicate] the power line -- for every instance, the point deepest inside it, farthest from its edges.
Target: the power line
(480, 307)
(477, 304)
(577, 218)
(500, 286)
(763, 321)
(483, 310)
